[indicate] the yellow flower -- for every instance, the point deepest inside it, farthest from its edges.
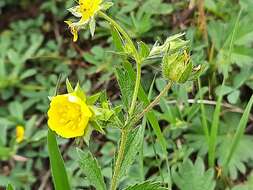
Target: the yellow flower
(88, 9)
(73, 30)
(68, 115)
(20, 131)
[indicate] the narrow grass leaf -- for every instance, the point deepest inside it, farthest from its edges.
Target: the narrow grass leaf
(214, 133)
(239, 133)
(203, 114)
(59, 174)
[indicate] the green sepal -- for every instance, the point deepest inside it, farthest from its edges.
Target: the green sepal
(186, 74)
(79, 92)
(92, 25)
(102, 114)
(95, 124)
(87, 133)
(106, 5)
(144, 50)
(69, 86)
(91, 100)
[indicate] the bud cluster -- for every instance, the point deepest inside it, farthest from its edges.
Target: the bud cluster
(177, 65)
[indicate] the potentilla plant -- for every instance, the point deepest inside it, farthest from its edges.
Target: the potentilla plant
(75, 115)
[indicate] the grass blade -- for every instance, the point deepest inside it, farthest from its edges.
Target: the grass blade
(59, 174)
(203, 115)
(239, 133)
(214, 132)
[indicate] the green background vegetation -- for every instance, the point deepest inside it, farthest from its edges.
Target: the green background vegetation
(36, 48)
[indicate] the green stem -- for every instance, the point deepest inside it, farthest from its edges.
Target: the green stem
(155, 102)
(136, 90)
(135, 55)
(122, 31)
(119, 160)
(124, 132)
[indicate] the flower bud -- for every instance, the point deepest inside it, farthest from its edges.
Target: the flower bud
(172, 44)
(177, 67)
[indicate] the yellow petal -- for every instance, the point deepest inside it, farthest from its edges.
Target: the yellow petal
(68, 115)
(73, 30)
(20, 131)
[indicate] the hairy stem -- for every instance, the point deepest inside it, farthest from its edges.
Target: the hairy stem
(136, 89)
(122, 31)
(124, 132)
(155, 101)
(135, 55)
(119, 160)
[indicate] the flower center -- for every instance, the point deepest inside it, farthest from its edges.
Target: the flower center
(70, 115)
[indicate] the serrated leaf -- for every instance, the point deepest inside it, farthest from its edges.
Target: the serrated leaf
(126, 86)
(148, 185)
(132, 148)
(193, 176)
(91, 169)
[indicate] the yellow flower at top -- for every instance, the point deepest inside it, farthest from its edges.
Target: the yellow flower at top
(68, 115)
(88, 9)
(20, 131)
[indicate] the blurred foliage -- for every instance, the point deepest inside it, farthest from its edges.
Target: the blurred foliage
(36, 48)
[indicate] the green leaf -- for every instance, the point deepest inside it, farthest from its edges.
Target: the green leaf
(117, 39)
(147, 185)
(248, 185)
(151, 115)
(59, 174)
(239, 132)
(234, 96)
(214, 132)
(10, 187)
(126, 86)
(5, 152)
(106, 5)
(91, 169)
(193, 176)
(97, 126)
(91, 100)
(143, 50)
(133, 144)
